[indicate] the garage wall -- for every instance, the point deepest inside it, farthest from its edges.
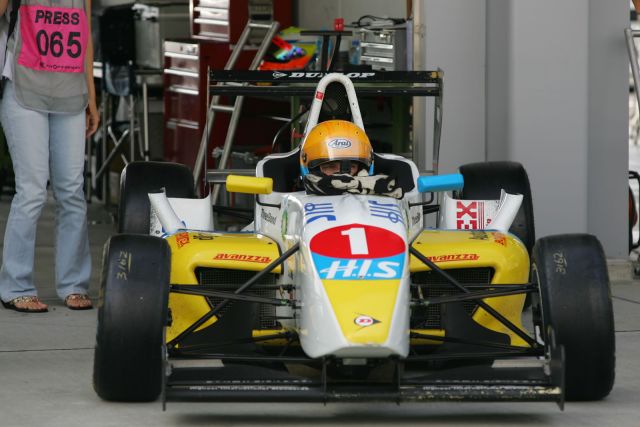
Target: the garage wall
(555, 77)
(455, 42)
(608, 125)
(548, 103)
(498, 78)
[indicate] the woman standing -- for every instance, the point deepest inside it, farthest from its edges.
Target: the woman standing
(47, 110)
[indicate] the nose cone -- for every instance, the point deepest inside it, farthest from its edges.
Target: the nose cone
(364, 308)
(361, 267)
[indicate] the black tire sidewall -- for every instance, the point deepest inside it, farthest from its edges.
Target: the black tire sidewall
(575, 302)
(132, 314)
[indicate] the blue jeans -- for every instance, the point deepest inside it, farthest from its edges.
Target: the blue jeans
(44, 147)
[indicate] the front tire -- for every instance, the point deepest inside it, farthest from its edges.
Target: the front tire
(574, 303)
(132, 315)
(140, 178)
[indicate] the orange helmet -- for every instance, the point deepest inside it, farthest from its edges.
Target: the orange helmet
(335, 140)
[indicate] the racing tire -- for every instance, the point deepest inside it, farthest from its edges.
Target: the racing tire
(137, 180)
(483, 181)
(574, 305)
(132, 314)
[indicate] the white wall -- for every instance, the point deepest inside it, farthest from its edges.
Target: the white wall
(554, 76)
(548, 101)
(608, 125)
(455, 42)
(498, 79)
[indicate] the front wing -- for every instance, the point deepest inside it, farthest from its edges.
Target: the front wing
(242, 379)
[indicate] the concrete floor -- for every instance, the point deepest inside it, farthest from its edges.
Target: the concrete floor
(46, 370)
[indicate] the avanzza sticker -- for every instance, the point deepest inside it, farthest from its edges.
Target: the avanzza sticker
(454, 257)
(244, 258)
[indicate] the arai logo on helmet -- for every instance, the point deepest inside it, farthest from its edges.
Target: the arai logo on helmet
(339, 144)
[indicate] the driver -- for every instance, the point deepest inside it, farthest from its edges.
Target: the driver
(336, 157)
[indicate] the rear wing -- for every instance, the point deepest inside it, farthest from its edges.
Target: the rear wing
(304, 83)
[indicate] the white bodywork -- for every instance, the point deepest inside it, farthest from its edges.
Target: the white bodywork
(170, 214)
(479, 214)
(300, 218)
(308, 216)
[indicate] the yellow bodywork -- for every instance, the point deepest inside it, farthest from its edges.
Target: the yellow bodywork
(447, 248)
(190, 250)
(471, 249)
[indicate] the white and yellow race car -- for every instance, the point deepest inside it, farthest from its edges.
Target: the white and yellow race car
(349, 297)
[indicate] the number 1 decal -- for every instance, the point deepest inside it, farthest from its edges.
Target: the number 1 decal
(357, 240)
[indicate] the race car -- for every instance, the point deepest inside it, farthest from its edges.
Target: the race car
(349, 297)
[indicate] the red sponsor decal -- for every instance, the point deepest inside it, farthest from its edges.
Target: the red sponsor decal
(454, 257)
(182, 239)
(364, 321)
(319, 95)
(357, 241)
(469, 215)
(245, 258)
(499, 238)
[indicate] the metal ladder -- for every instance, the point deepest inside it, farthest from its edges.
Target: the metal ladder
(235, 110)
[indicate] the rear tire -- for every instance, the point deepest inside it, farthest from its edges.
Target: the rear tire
(483, 181)
(574, 302)
(132, 315)
(137, 180)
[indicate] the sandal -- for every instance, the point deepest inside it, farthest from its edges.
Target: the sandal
(78, 302)
(26, 304)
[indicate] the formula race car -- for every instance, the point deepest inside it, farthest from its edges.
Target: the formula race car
(349, 297)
